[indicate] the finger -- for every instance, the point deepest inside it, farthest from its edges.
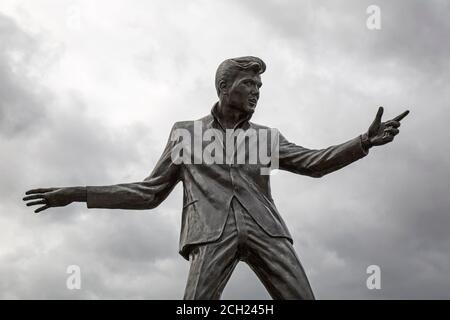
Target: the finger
(387, 137)
(392, 131)
(40, 190)
(401, 116)
(379, 114)
(33, 203)
(392, 123)
(34, 196)
(41, 208)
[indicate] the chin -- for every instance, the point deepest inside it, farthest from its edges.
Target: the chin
(251, 109)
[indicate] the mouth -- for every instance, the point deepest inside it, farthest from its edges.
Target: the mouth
(252, 102)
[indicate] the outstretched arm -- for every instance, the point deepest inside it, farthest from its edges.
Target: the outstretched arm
(317, 163)
(146, 194)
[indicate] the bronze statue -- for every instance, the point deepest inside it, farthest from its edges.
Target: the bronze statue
(228, 212)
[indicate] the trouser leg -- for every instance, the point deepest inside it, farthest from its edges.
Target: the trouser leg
(212, 265)
(279, 269)
(275, 262)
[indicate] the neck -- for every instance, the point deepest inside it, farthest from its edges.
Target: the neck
(230, 117)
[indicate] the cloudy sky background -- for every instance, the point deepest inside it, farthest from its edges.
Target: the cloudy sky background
(89, 91)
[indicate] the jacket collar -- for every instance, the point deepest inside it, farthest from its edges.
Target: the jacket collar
(243, 123)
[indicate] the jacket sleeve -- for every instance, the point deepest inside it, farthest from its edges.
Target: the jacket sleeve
(317, 163)
(147, 194)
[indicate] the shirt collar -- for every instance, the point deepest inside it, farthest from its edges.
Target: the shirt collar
(242, 123)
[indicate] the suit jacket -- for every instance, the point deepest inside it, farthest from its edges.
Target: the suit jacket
(209, 188)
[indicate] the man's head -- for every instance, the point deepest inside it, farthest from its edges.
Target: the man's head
(238, 81)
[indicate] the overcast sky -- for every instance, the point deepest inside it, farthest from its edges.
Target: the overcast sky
(90, 89)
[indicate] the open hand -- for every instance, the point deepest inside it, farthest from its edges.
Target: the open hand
(48, 197)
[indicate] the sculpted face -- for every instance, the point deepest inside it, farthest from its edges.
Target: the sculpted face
(243, 93)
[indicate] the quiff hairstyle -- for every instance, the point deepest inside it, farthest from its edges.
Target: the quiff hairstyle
(229, 68)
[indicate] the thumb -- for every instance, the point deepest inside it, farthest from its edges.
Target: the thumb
(377, 119)
(379, 114)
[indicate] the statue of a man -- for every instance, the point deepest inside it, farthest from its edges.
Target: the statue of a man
(228, 212)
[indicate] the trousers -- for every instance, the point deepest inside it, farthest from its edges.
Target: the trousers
(273, 260)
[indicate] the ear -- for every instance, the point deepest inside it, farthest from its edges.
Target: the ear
(223, 87)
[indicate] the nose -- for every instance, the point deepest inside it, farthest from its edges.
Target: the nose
(255, 91)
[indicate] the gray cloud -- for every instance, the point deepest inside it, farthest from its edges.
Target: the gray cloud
(48, 144)
(21, 105)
